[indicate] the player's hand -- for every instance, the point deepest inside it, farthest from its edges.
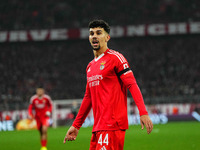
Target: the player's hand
(71, 134)
(48, 113)
(145, 120)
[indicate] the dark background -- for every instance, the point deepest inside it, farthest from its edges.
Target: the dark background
(167, 68)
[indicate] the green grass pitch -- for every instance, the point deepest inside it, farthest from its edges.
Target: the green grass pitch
(171, 136)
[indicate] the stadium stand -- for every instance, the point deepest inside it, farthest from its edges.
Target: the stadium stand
(22, 14)
(163, 66)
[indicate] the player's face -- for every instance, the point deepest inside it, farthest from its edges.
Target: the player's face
(98, 38)
(40, 92)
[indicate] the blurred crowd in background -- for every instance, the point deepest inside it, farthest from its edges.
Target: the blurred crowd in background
(23, 14)
(165, 66)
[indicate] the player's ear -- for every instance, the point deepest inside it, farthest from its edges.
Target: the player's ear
(107, 37)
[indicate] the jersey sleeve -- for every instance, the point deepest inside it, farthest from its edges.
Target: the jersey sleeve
(126, 75)
(50, 104)
(85, 108)
(131, 84)
(30, 107)
(30, 110)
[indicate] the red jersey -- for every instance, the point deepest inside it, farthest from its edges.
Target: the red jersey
(108, 78)
(40, 105)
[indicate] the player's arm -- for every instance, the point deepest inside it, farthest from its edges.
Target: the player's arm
(130, 82)
(50, 104)
(30, 113)
(80, 118)
(126, 75)
(128, 79)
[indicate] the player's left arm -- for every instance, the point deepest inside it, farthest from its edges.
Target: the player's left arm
(127, 77)
(50, 106)
(30, 113)
(130, 82)
(30, 108)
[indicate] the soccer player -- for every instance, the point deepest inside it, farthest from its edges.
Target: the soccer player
(42, 105)
(108, 77)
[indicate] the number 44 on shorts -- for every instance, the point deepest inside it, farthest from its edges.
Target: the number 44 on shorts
(105, 140)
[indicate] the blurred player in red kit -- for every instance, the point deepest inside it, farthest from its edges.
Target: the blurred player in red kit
(42, 105)
(108, 77)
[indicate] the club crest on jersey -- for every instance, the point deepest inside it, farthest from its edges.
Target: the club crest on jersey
(102, 65)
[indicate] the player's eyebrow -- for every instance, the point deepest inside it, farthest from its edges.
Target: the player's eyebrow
(99, 30)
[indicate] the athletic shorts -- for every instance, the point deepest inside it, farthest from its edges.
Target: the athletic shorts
(42, 122)
(107, 140)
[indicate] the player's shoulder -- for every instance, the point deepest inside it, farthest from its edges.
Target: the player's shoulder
(116, 55)
(33, 98)
(47, 96)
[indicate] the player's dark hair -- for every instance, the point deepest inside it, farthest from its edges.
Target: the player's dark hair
(40, 87)
(101, 24)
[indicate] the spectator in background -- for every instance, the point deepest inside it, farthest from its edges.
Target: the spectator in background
(74, 109)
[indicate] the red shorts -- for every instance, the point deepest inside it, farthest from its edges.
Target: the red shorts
(107, 140)
(42, 122)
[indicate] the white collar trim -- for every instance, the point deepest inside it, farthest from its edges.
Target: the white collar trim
(96, 59)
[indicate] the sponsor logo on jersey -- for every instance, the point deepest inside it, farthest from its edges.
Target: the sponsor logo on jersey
(102, 65)
(95, 77)
(94, 80)
(40, 105)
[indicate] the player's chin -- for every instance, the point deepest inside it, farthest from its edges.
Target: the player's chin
(96, 48)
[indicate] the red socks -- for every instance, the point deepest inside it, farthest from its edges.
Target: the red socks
(43, 143)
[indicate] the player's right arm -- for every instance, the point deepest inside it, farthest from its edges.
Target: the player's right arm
(30, 114)
(80, 118)
(30, 108)
(71, 134)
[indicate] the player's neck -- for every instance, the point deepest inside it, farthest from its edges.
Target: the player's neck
(97, 53)
(40, 96)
